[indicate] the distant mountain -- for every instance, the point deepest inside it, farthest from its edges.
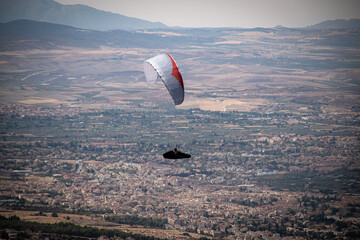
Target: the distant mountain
(28, 34)
(337, 24)
(79, 16)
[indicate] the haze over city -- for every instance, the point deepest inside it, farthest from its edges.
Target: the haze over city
(230, 13)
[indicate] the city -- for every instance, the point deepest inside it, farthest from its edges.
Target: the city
(241, 178)
(270, 118)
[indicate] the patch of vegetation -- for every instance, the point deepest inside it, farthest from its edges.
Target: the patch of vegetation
(339, 181)
(65, 230)
(136, 220)
(43, 207)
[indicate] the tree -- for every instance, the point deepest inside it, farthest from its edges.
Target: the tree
(4, 235)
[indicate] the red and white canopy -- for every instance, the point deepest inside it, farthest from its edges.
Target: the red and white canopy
(164, 67)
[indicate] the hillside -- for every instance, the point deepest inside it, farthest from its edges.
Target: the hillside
(79, 16)
(27, 34)
(337, 24)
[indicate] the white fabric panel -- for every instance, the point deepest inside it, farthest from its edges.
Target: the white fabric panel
(163, 66)
(150, 74)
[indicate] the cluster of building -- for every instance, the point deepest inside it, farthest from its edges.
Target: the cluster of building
(215, 193)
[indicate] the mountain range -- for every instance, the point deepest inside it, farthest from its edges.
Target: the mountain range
(79, 16)
(28, 34)
(337, 24)
(47, 24)
(85, 17)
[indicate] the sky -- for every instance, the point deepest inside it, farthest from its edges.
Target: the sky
(230, 13)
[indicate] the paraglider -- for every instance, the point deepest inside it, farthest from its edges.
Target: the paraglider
(164, 67)
(176, 154)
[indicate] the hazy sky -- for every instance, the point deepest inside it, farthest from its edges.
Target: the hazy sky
(230, 13)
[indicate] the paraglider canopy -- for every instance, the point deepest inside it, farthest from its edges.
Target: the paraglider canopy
(163, 67)
(176, 154)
